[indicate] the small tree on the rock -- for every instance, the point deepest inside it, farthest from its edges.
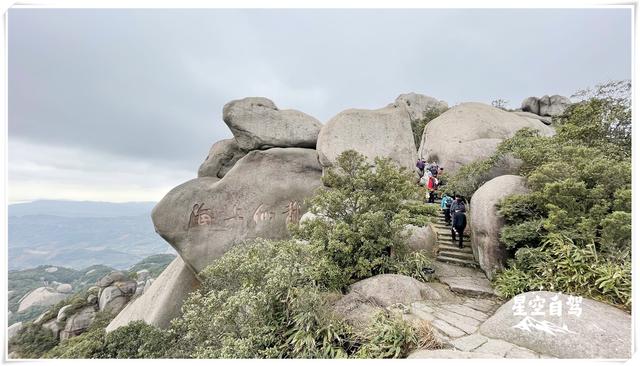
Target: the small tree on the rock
(362, 215)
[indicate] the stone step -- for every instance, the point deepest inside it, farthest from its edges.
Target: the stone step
(447, 236)
(454, 248)
(458, 261)
(456, 254)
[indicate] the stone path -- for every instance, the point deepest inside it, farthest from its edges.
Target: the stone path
(455, 319)
(448, 251)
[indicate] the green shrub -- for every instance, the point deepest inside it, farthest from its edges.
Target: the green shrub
(412, 264)
(136, 340)
(32, 341)
(418, 125)
(388, 337)
(263, 299)
(364, 213)
(560, 265)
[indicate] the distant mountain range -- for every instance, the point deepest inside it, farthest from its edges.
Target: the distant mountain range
(79, 234)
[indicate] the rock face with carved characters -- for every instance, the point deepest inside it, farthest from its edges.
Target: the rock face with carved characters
(258, 197)
(562, 326)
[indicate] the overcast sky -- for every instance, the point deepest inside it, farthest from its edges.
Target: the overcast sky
(123, 105)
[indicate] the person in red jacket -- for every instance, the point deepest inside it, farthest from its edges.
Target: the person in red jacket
(432, 185)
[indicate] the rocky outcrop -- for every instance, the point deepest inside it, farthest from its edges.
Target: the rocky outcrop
(380, 293)
(64, 288)
(115, 296)
(161, 302)
(78, 323)
(223, 155)
(470, 132)
(486, 223)
(546, 120)
(585, 329)
(13, 330)
(258, 197)
(42, 296)
(384, 132)
(54, 327)
(256, 123)
(551, 106)
(417, 104)
(111, 278)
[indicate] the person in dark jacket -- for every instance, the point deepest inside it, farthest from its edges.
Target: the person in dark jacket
(459, 219)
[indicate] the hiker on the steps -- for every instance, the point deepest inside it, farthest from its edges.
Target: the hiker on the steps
(445, 205)
(432, 185)
(420, 165)
(459, 220)
(433, 168)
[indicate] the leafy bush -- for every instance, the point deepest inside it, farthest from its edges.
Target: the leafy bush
(560, 265)
(32, 341)
(363, 215)
(388, 337)
(418, 125)
(263, 299)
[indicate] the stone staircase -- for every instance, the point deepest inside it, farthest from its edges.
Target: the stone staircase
(448, 251)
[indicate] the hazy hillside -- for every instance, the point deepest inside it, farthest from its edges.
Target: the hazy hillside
(81, 234)
(24, 281)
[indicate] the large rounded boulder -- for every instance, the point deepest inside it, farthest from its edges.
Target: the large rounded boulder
(223, 155)
(486, 223)
(257, 123)
(263, 193)
(562, 326)
(384, 132)
(162, 301)
(470, 132)
(42, 296)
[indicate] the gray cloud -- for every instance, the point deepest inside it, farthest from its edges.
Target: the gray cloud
(149, 85)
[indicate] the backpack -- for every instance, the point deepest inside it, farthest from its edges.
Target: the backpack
(448, 201)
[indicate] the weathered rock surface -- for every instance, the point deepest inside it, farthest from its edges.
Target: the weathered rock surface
(64, 288)
(486, 223)
(552, 106)
(258, 197)
(13, 330)
(111, 278)
(53, 326)
(42, 296)
(601, 330)
(384, 133)
(256, 123)
(417, 104)
(531, 104)
(544, 119)
(78, 323)
(63, 313)
(388, 289)
(356, 309)
(421, 238)
(142, 275)
(223, 155)
(161, 302)
(113, 298)
(470, 132)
